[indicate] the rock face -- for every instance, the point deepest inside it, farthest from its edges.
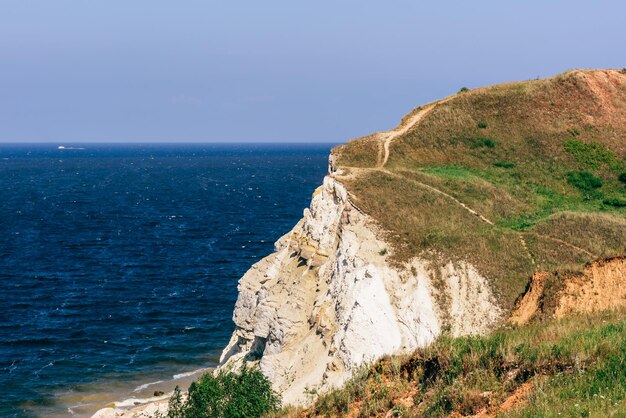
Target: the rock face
(599, 287)
(326, 301)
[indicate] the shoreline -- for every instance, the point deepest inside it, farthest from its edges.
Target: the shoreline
(120, 398)
(143, 396)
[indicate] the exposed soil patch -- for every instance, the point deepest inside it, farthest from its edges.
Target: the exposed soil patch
(601, 286)
(516, 399)
(530, 302)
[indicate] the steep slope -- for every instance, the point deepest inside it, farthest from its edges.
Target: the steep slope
(328, 300)
(573, 367)
(436, 227)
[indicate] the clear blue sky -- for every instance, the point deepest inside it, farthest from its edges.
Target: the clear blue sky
(232, 71)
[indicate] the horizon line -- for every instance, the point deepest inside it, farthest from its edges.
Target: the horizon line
(171, 143)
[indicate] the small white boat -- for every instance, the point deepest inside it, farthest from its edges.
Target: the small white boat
(68, 148)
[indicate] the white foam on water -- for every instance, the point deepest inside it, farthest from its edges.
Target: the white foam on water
(140, 401)
(182, 375)
(146, 385)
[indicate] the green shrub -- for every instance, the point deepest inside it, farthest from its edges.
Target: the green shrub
(482, 125)
(479, 142)
(616, 202)
(583, 180)
(504, 164)
(622, 177)
(226, 395)
(463, 90)
(590, 154)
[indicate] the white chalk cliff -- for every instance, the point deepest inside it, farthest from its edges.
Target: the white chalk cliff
(327, 301)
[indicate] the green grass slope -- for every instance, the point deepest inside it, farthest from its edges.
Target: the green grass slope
(573, 367)
(543, 161)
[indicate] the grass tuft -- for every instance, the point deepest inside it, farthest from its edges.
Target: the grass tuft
(504, 164)
(592, 154)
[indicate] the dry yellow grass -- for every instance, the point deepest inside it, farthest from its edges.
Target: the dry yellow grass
(538, 160)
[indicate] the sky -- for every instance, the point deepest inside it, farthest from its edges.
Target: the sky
(273, 71)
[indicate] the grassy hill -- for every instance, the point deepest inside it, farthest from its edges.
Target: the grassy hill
(514, 178)
(517, 179)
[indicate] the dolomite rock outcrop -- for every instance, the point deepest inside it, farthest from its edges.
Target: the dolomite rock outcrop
(327, 301)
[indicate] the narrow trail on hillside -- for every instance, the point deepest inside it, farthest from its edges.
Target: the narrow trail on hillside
(452, 198)
(383, 156)
(385, 139)
(568, 244)
(404, 128)
(441, 192)
(526, 249)
(400, 130)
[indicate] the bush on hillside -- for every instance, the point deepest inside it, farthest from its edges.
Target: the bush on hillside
(583, 180)
(479, 142)
(504, 164)
(226, 395)
(591, 154)
(615, 202)
(622, 177)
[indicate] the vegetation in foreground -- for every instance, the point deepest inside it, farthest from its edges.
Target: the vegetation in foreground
(572, 367)
(246, 394)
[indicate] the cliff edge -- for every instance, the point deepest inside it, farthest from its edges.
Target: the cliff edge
(436, 227)
(328, 300)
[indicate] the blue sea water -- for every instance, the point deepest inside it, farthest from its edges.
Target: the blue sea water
(119, 263)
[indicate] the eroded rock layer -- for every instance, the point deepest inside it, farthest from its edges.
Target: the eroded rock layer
(327, 301)
(599, 287)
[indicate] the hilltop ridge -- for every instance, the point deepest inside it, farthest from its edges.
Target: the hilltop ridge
(535, 164)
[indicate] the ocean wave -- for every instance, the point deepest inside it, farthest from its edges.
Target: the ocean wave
(183, 375)
(146, 385)
(126, 403)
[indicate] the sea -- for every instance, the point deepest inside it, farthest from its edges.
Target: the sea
(119, 263)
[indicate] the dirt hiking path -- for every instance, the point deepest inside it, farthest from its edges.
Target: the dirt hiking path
(385, 140)
(413, 120)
